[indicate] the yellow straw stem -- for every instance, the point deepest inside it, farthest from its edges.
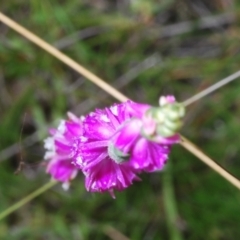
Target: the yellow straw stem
(62, 57)
(27, 199)
(207, 160)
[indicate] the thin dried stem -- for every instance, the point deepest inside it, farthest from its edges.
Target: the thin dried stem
(212, 88)
(207, 160)
(62, 57)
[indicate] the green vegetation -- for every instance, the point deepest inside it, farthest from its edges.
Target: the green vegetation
(141, 48)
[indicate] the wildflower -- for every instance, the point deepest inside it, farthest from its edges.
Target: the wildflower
(151, 136)
(121, 141)
(112, 146)
(104, 169)
(60, 147)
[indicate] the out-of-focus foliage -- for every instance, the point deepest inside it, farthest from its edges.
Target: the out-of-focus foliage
(145, 48)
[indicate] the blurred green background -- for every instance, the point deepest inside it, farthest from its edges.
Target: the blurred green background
(145, 48)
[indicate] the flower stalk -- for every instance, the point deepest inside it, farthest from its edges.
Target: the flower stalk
(170, 204)
(27, 199)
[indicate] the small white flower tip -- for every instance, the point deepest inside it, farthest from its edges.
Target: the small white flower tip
(163, 100)
(114, 110)
(61, 128)
(49, 143)
(49, 155)
(82, 118)
(72, 117)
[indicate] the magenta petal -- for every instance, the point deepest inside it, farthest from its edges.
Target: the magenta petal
(52, 131)
(149, 156)
(109, 176)
(61, 147)
(112, 113)
(158, 156)
(97, 130)
(140, 154)
(100, 158)
(93, 145)
(168, 140)
(127, 135)
(73, 129)
(136, 109)
(62, 170)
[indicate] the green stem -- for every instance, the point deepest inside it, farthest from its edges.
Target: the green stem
(170, 205)
(27, 199)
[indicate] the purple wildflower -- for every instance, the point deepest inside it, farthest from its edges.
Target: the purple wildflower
(115, 150)
(105, 170)
(113, 145)
(60, 147)
(148, 150)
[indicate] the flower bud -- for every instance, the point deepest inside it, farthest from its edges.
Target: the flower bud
(167, 118)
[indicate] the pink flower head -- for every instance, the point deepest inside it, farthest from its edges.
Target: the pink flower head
(113, 150)
(60, 147)
(97, 158)
(112, 146)
(147, 149)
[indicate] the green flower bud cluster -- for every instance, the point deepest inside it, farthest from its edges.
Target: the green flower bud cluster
(168, 118)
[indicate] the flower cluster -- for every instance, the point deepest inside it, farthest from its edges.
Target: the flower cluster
(112, 146)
